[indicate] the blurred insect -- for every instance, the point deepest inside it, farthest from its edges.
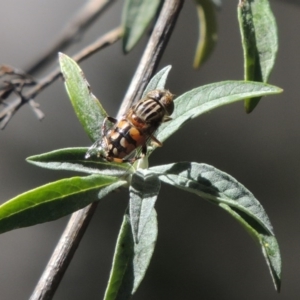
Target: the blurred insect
(134, 129)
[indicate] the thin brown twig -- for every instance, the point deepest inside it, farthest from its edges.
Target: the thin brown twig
(86, 15)
(63, 255)
(151, 56)
(108, 39)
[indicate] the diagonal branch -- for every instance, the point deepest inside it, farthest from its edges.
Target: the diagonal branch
(108, 39)
(104, 41)
(152, 54)
(63, 252)
(72, 31)
(62, 255)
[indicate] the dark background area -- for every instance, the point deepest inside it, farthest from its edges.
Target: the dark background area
(201, 252)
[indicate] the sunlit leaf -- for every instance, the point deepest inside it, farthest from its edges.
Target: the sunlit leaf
(87, 108)
(202, 99)
(220, 188)
(207, 31)
(73, 159)
(158, 81)
(131, 260)
(259, 40)
(137, 14)
(54, 200)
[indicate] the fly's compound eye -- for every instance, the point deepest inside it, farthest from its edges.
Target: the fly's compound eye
(167, 102)
(155, 95)
(165, 98)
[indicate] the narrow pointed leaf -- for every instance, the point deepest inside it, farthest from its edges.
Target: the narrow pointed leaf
(87, 107)
(131, 260)
(73, 159)
(223, 190)
(267, 241)
(158, 81)
(259, 41)
(144, 190)
(143, 251)
(213, 185)
(207, 31)
(54, 200)
(202, 99)
(137, 15)
(121, 275)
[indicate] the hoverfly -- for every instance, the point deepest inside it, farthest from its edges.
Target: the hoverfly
(134, 129)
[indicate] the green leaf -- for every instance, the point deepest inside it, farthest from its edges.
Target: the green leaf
(259, 41)
(137, 15)
(268, 243)
(158, 81)
(88, 109)
(202, 99)
(73, 159)
(143, 191)
(222, 189)
(207, 31)
(54, 200)
(131, 260)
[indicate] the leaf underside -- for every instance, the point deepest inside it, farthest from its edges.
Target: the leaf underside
(131, 260)
(222, 189)
(143, 191)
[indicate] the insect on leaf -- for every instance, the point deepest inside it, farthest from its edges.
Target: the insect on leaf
(259, 41)
(87, 107)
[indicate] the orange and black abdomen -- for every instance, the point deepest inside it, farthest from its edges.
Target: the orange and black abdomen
(135, 128)
(123, 139)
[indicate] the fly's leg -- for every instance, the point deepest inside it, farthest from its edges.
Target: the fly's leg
(143, 154)
(167, 119)
(155, 141)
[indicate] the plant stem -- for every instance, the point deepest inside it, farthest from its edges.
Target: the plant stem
(63, 253)
(152, 54)
(86, 15)
(108, 39)
(73, 233)
(104, 41)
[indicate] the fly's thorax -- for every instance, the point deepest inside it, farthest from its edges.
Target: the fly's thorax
(153, 108)
(164, 98)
